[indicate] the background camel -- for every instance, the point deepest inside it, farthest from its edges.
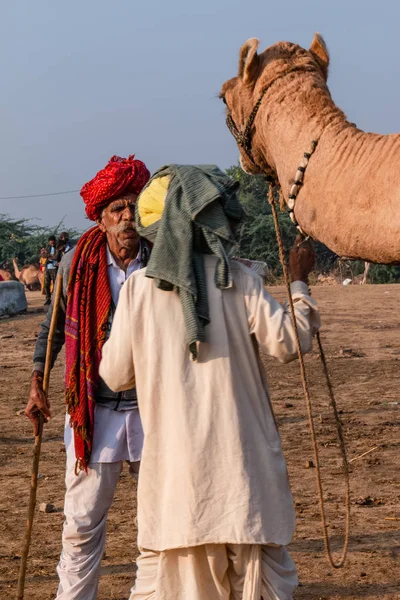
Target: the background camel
(5, 275)
(29, 275)
(5, 272)
(349, 198)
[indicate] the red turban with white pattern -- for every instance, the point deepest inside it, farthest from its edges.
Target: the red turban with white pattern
(119, 177)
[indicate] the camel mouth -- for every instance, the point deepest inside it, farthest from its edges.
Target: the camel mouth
(243, 166)
(248, 167)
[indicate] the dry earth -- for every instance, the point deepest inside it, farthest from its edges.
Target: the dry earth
(361, 329)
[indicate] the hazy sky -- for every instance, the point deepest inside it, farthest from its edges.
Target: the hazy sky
(83, 80)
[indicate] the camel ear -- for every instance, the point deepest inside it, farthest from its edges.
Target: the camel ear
(320, 52)
(249, 61)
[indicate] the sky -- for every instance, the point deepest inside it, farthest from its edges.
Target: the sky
(83, 80)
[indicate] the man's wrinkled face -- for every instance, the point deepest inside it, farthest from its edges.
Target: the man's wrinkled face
(118, 222)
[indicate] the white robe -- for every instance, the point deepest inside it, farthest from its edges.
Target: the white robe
(212, 469)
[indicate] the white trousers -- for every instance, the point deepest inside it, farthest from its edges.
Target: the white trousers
(87, 501)
(216, 572)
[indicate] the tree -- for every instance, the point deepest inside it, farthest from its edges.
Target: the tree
(21, 239)
(258, 240)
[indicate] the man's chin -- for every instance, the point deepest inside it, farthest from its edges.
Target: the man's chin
(128, 241)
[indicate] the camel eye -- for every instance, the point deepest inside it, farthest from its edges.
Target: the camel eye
(223, 100)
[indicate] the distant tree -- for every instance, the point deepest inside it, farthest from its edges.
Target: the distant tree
(21, 239)
(258, 241)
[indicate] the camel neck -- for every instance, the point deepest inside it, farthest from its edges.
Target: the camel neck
(17, 272)
(349, 195)
(293, 116)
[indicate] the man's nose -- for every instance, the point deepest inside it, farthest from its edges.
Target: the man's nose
(128, 213)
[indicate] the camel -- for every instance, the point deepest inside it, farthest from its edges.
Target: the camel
(29, 275)
(347, 192)
(5, 275)
(6, 271)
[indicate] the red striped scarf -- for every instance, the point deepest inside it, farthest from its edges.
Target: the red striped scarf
(88, 307)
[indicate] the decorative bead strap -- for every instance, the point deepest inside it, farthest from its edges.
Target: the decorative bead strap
(298, 182)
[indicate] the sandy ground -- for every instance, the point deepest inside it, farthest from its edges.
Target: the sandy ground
(361, 329)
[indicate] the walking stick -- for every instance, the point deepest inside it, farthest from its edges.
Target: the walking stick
(37, 445)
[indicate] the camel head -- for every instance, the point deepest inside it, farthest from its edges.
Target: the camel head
(258, 72)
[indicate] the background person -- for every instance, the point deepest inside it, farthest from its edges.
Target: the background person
(51, 267)
(64, 244)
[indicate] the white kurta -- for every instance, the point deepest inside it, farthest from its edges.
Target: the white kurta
(212, 469)
(118, 435)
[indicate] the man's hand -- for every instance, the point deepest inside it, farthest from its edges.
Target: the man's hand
(301, 259)
(38, 403)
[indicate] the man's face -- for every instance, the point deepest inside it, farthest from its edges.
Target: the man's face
(118, 222)
(52, 243)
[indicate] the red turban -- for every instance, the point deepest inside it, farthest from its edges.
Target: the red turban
(120, 176)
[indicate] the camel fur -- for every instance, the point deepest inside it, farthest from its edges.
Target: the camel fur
(350, 197)
(5, 275)
(29, 275)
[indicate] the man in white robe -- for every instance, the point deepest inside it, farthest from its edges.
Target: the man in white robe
(215, 510)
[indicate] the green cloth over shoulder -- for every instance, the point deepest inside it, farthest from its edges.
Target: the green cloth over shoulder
(201, 202)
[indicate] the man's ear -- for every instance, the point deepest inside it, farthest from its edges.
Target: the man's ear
(100, 223)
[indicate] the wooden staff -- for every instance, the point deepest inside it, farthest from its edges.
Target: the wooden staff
(38, 443)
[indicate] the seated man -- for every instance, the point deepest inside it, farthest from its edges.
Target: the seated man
(215, 509)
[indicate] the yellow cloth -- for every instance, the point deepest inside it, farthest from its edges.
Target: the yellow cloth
(152, 200)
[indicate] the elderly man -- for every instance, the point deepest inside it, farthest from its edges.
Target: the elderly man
(215, 508)
(102, 428)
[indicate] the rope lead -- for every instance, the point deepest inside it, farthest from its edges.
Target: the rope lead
(342, 446)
